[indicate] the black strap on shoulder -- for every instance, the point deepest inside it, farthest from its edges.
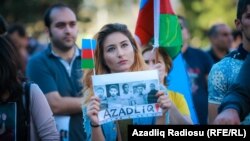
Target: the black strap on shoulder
(26, 105)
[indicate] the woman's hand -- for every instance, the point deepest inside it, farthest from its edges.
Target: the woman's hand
(164, 101)
(92, 110)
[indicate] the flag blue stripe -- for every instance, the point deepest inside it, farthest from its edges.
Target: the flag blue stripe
(86, 44)
(143, 3)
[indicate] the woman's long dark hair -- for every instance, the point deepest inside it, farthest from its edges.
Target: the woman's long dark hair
(10, 64)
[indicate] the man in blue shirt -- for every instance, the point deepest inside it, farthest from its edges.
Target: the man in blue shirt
(235, 105)
(198, 65)
(222, 75)
(57, 69)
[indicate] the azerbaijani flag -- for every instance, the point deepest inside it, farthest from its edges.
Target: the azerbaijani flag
(156, 20)
(88, 46)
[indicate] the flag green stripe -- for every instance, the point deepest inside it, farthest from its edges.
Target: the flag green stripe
(87, 64)
(170, 34)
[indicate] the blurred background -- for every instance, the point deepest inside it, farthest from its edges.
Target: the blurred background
(93, 14)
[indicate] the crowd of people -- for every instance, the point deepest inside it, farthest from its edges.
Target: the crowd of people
(43, 85)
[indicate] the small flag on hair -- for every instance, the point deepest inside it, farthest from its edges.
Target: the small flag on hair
(88, 47)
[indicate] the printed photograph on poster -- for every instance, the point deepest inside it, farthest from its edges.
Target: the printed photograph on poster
(127, 95)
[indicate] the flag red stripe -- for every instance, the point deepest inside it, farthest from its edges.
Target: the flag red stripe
(87, 54)
(166, 7)
(145, 23)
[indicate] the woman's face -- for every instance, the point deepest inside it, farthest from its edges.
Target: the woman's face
(150, 60)
(118, 52)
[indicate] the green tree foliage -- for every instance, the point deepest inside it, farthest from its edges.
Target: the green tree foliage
(202, 14)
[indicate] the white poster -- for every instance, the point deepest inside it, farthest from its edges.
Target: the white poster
(127, 95)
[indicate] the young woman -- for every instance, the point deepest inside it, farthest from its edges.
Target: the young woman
(12, 106)
(179, 111)
(116, 51)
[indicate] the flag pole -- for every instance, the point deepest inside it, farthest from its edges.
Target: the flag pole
(91, 45)
(156, 28)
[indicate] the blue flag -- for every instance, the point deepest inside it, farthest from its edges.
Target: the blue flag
(179, 82)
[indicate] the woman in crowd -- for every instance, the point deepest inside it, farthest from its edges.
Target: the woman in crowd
(33, 122)
(116, 51)
(179, 111)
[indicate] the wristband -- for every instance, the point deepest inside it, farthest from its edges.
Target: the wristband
(94, 126)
